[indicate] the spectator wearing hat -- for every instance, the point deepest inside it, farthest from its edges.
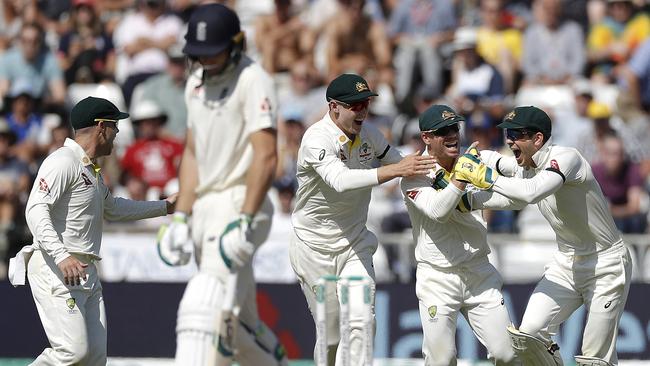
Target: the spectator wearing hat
(337, 168)
(476, 85)
(86, 52)
(65, 213)
(31, 60)
(166, 90)
(153, 157)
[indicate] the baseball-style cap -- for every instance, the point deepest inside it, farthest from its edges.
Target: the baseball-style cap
(438, 116)
(527, 117)
(87, 111)
(349, 88)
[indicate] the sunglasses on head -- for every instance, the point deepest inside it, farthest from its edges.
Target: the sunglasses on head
(354, 107)
(444, 131)
(518, 134)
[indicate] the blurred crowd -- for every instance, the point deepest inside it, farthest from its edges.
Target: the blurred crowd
(586, 62)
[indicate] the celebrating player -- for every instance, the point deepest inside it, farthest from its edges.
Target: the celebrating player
(336, 172)
(65, 213)
(591, 268)
(226, 169)
(453, 272)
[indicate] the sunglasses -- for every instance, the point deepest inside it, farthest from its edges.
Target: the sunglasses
(517, 134)
(354, 107)
(444, 131)
(114, 121)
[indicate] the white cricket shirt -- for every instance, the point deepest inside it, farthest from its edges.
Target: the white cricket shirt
(335, 177)
(69, 202)
(444, 236)
(573, 204)
(222, 113)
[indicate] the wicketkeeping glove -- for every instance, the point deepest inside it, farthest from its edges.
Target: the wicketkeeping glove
(441, 181)
(234, 243)
(174, 242)
(470, 169)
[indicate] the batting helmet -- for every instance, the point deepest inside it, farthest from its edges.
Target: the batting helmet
(212, 28)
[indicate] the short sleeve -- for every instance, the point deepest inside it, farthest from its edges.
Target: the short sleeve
(260, 104)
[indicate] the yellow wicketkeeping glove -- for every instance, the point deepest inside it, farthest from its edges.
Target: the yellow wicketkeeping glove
(470, 169)
(441, 181)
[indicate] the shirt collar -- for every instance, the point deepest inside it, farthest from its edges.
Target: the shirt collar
(341, 137)
(81, 154)
(540, 157)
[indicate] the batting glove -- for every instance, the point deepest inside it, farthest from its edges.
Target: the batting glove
(234, 243)
(174, 243)
(470, 169)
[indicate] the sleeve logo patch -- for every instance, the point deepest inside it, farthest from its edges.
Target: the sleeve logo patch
(87, 181)
(321, 156)
(266, 105)
(43, 187)
(555, 165)
(342, 156)
(412, 194)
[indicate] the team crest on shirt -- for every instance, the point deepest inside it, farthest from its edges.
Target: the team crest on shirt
(555, 165)
(365, 152)
(70, 303)
(433, 310)
(43, 187)
(87, 181)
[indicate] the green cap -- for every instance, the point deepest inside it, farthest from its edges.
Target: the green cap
(438, 116)
(527, 117)
(85, 113)
(349, 88)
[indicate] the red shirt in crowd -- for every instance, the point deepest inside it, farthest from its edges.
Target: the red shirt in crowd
(153, 161)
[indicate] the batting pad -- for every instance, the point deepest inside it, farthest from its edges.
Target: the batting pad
(591, 361)
(532, 351)
(197, 316)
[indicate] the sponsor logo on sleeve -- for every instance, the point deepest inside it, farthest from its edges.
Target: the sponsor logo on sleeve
(321, 156)
(266, 105)
(87, 181)
(555, 165)
(342, 156)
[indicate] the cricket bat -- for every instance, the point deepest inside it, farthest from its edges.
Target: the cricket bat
(229, 320)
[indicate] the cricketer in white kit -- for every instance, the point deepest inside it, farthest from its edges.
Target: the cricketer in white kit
(592, 266)
(453, 272)
(226, 170)
(65, 213)
(338, 164)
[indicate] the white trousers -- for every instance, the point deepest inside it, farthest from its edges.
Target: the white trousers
(600, 281)
(474, 290)
(310, 265)
(73, 317)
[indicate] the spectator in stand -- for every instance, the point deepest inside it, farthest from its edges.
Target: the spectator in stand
(152, 158)
(25, 122)
(357, 43)
(616, 37)
(86, 52)
(10, 22)
(498, 44)
(622, 185)
(166, 90)
(305, 93)
(603, 124)
(570, 126)
(280, 38)
(476, 86)
(31, 60)
(418, 28)
(14, 186)
(142, 39)
(554, 50)
(290, 130)
(635, 75)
